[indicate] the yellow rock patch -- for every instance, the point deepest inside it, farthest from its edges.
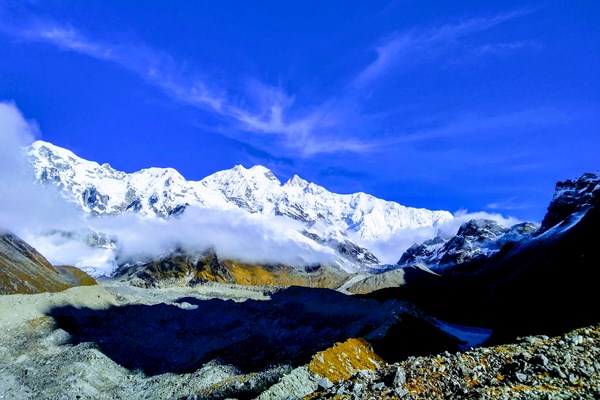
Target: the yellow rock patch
(345, 359)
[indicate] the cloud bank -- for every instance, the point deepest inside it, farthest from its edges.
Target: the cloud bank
(63, 234)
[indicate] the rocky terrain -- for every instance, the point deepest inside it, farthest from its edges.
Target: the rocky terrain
(85, 343)
(536, 367)
(213, 341)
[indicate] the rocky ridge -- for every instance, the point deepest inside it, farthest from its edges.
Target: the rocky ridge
(181, 269)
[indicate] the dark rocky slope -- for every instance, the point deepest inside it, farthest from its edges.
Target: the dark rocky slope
(24, 270)
(545, 284)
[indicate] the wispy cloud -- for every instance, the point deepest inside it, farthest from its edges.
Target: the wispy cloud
(409, 46)
(509, 204)
(332, 126)
(268, 113)
(500, 49)
(502, 123)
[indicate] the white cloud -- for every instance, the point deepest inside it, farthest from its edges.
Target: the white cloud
(23, 204)
(234, 234)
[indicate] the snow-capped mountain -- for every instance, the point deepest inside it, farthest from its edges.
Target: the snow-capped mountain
(100, 189)
(475, 238)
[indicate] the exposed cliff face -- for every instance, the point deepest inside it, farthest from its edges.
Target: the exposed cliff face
(186, 270)
(24, 270)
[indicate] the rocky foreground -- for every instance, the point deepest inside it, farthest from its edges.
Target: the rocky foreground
(536, 367)
(41, 360)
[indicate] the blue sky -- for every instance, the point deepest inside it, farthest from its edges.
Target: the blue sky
(438, 104)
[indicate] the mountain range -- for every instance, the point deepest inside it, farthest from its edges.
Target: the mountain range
(163, 192)
(480, 258)
(335, 221)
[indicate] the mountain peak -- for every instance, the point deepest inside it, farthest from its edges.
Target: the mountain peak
(256, 173)
(39, 146)
(296, 181)
(475, 238)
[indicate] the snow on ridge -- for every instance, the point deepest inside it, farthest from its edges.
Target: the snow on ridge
(161, 191)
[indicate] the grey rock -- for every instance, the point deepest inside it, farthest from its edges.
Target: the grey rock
(325, 383)
(573, 379)
(357, 388)
(399, 378)
(401, 392)
(577, 340)
(541, 360)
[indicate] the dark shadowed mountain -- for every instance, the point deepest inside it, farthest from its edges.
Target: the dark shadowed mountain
(545, 283)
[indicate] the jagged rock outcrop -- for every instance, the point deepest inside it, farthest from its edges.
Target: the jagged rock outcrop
(571, 197)
(24, 270)
(346, 248)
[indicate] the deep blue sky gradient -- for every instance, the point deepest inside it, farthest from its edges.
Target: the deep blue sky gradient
(438, 104)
